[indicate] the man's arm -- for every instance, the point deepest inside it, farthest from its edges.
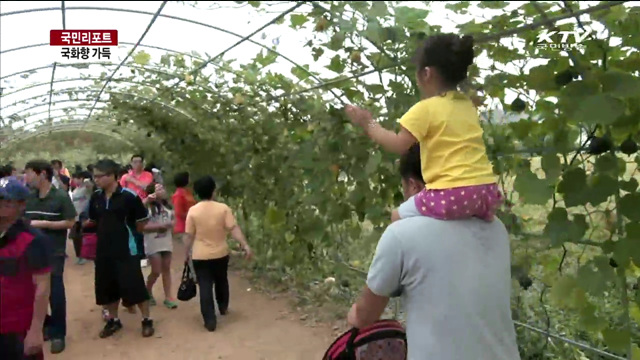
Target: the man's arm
(123, 180)
(138, 212)
(42, 282)
(383, 281)
(68, 212)
(53, 225)
(232, 226)
(38, 256)
(179, 206)
(189, 234)
(89, 216)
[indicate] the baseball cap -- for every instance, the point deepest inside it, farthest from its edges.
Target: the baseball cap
(11, 188)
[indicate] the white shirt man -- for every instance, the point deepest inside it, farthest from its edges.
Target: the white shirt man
(454, 278)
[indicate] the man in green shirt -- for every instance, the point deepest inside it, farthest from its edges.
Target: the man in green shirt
(51, 210)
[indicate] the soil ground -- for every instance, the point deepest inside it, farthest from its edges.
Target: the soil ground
(257, 327)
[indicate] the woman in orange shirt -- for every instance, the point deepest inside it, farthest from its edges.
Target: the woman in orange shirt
(207, 226)
(182, 201)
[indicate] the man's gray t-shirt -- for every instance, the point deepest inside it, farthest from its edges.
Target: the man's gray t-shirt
(455, 282)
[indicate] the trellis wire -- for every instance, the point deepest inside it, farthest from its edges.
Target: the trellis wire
(204, 64)
(122, 93)
(153, 20)
(53, 74)
(75, 125)
(53, 71)
(82, 91)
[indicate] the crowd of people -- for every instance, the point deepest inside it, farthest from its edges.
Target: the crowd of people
(445, 252)
(134, 223)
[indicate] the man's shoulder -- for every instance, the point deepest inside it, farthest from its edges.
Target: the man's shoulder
(146, 176)
(33, 195)
(96, 194)
(425, 228)
(195, 207)
(60, 193)
(128, 192)
(36, 237)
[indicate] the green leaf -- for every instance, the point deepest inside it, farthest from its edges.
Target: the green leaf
(629, 206)
(457, 6)
(141, 58)
(617, 339)
(607, 164)
(337, 41)
(411, 18)
(551, 166)
(560, 229)
(492, 5)
(266, 58)
(541, 78)
(594, 276)
(375, 89)
(629, 186)
(300, 73)
(373, 163)
(274, 216)
(599, 109)
(563, 290)
(317, 53)
(600, 188)
(297, 20)
(590, 320)
(573, 186)
(532, 189)
(336, 65)
(618, 83)
(378, 9)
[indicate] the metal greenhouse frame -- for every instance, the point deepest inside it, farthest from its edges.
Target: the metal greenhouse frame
(101, 125)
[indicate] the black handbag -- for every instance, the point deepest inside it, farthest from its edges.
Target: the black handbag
(187, 290)
(76, 231)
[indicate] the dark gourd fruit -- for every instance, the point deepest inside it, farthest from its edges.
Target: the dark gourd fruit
(518, 105)
(600, 145)
(525, 282)
(629, 147)
(563, 78)
(613, 263)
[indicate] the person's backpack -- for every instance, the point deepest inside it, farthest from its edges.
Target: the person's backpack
(385, 339)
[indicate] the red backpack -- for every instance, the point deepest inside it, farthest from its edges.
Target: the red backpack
(385, 339)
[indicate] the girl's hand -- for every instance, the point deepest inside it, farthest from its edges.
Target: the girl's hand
(358, 116)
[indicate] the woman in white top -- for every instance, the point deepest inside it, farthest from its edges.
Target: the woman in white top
(83, 188)
(158, 244)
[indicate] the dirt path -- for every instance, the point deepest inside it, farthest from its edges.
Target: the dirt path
(256, 328)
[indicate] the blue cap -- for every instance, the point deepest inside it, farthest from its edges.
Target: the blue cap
(12, 188)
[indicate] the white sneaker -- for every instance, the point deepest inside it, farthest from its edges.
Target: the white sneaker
(144, 263)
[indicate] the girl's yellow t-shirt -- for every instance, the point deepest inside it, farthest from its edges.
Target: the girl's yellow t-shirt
(452, 150)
